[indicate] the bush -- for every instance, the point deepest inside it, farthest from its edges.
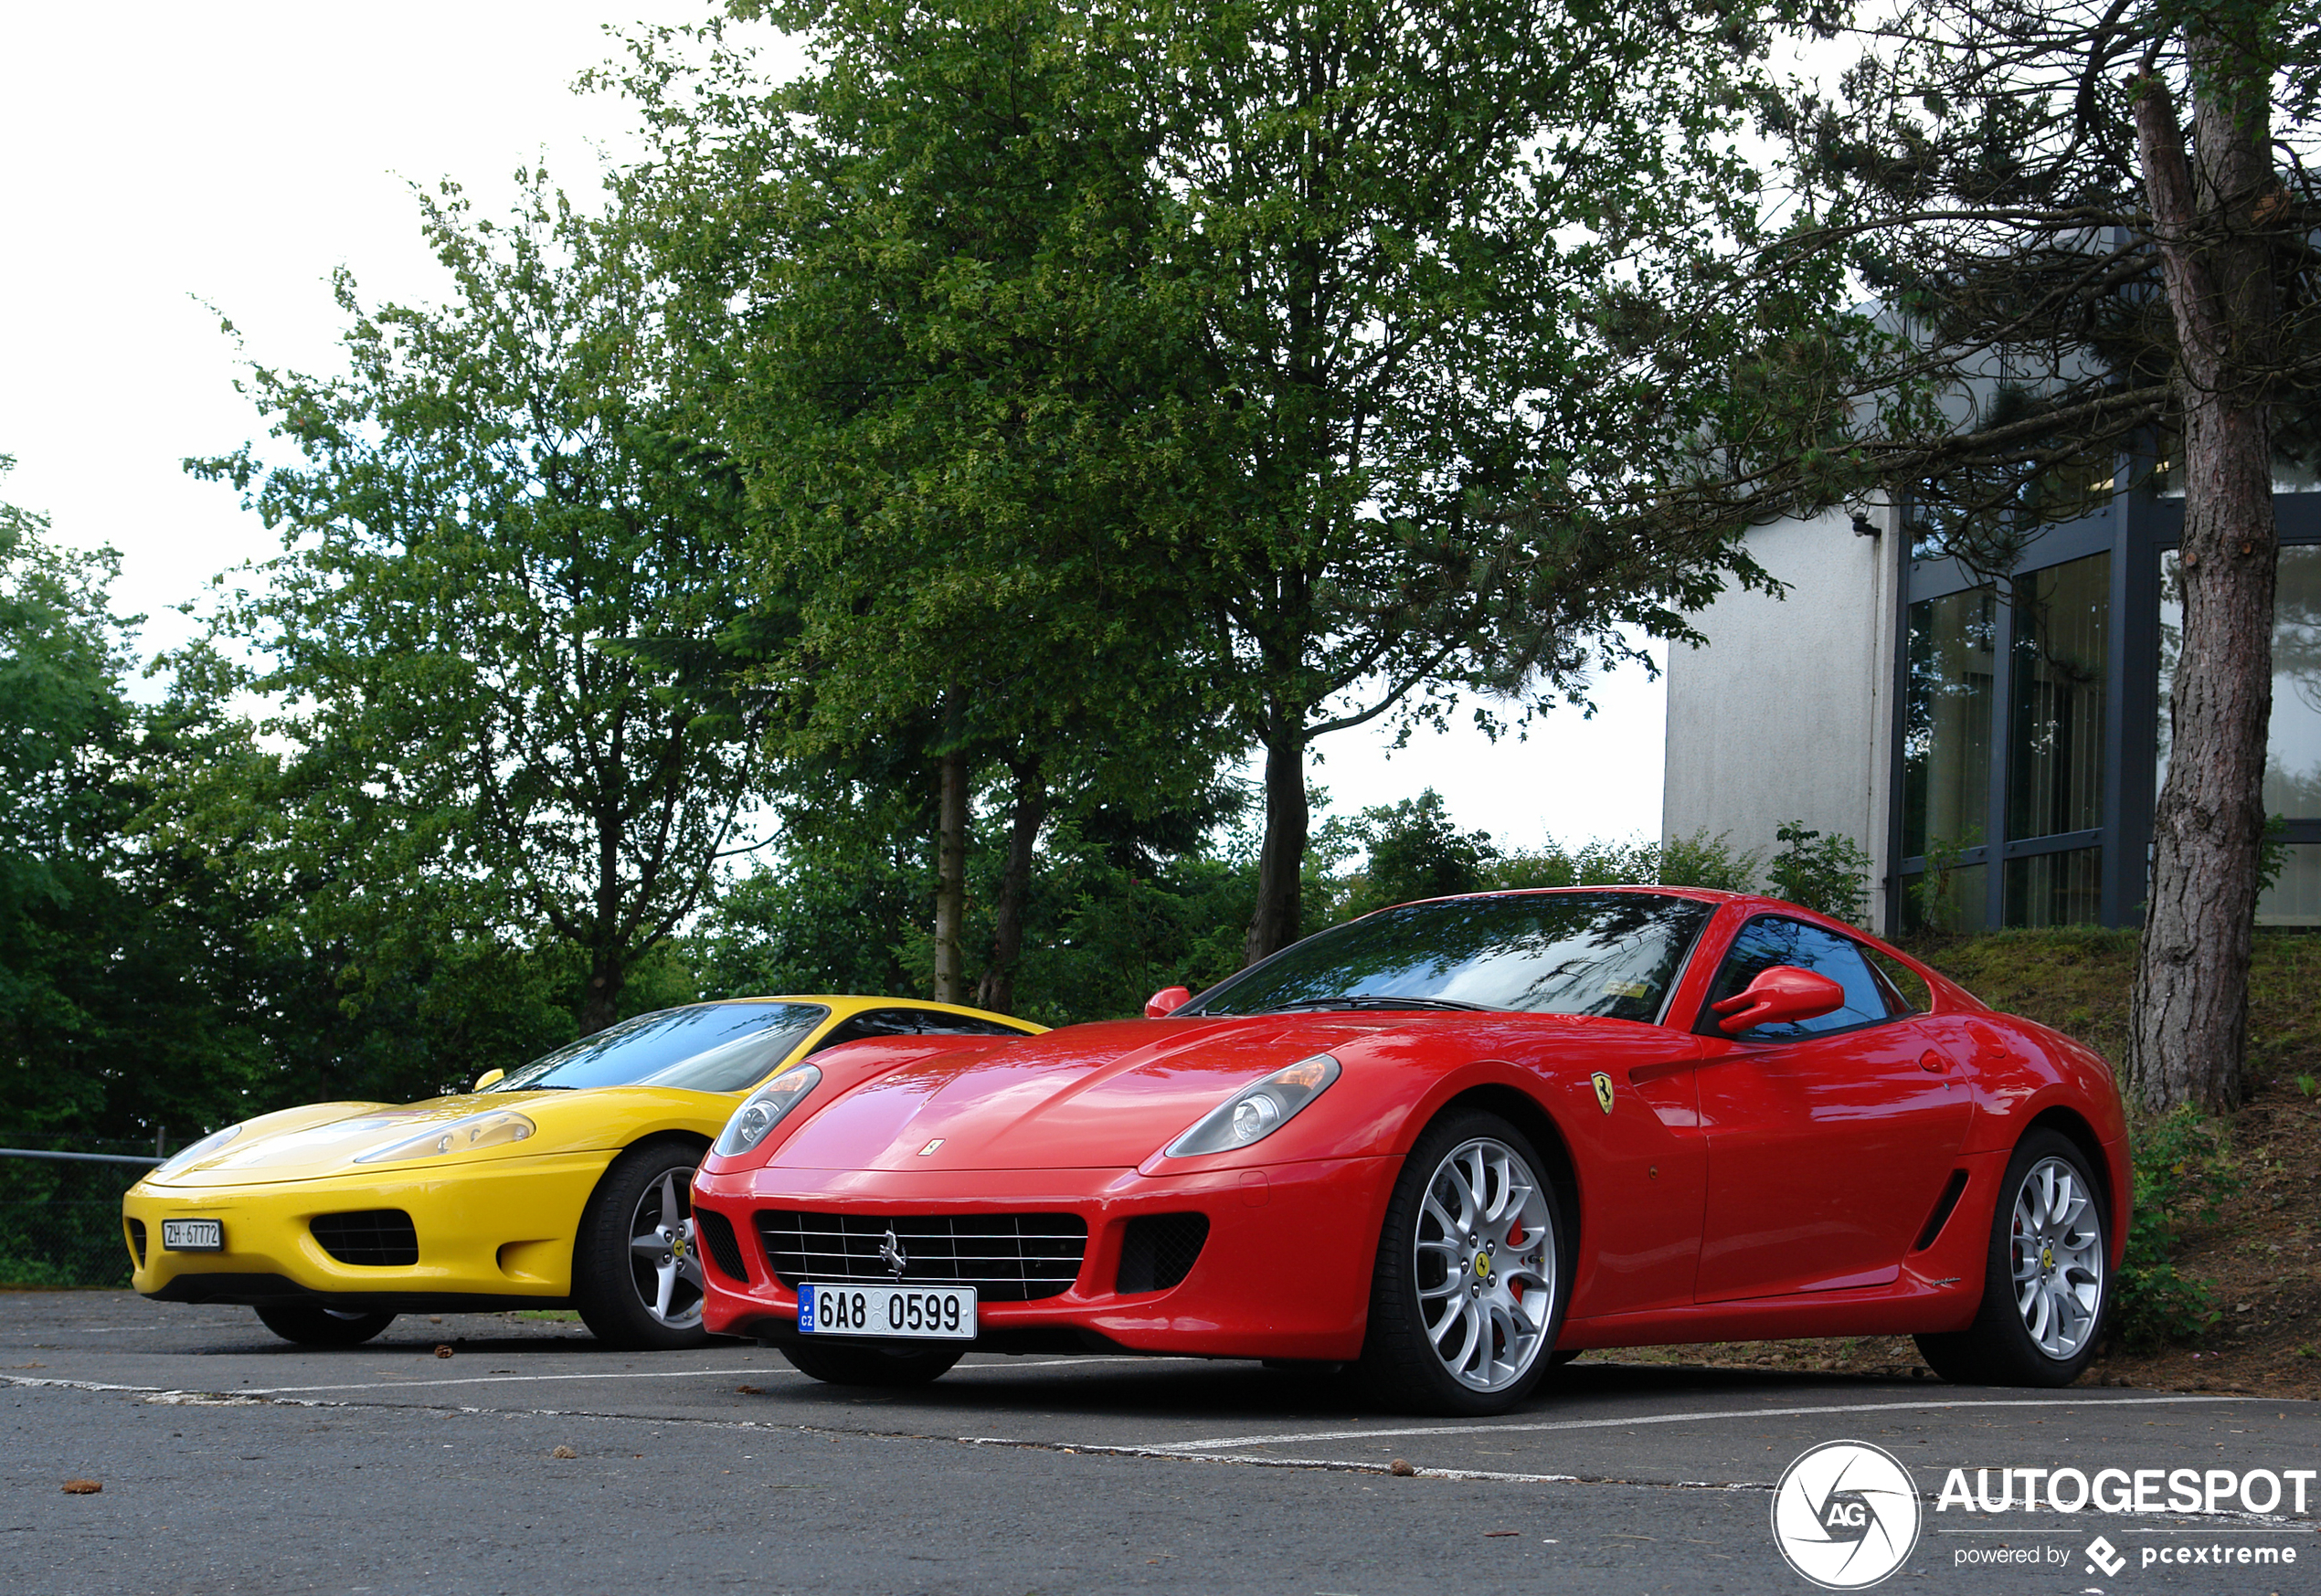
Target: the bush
(2184, 1173)
(1829, 875)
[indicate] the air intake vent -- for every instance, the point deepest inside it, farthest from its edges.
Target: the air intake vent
(1159, 1250)
(1007, 1257)
(376, 1238)
(137, 1241)
(1941, 1216)
(717, 1240)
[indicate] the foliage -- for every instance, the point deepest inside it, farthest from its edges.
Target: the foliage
(2184, 1175)
(1829, 875)
(1414, 851)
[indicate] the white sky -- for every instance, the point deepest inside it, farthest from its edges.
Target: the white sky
(162, 156)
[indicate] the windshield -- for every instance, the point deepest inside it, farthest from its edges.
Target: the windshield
(1614, 954)
(710, 1047)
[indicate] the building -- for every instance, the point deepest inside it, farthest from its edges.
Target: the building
(1996, 747)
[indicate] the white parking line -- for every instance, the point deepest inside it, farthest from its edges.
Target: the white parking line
(1492, 1429)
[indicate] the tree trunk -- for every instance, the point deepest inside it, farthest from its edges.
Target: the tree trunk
(600, 1001)
(2189, 1023)
(1281, 858)
(996, 990)
(950, 879)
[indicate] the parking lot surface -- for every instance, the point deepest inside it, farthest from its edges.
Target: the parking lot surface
(432, 1460)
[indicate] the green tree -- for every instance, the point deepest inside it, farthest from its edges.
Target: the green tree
(497, 641)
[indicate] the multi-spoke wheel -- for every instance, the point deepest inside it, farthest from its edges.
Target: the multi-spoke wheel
(2046, 1282)
(1469, 1284)
(636, 1271)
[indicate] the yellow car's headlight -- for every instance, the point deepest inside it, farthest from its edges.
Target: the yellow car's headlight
(497, 1128)
(764, 1108)
(200, 1150)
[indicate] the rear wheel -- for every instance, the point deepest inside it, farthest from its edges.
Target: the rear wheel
(1467, 1292)
(881, 1366)
(636, 1271)
(312, 1325)
(2047, 1277)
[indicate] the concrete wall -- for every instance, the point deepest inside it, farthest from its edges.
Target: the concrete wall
(1786, 714)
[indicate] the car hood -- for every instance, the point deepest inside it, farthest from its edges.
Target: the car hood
(1091, 1096)
(327, 1138)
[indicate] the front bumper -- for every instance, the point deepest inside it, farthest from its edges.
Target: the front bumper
(490, 1231)
(1284, 1271)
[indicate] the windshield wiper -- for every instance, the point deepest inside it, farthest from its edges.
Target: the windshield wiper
(1376, 1000)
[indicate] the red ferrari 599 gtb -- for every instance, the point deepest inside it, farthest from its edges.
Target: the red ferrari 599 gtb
(1444, 1143)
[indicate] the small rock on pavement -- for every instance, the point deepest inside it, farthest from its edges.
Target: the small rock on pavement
(443, 1352)
(1400, 1469)
(564, 1451)
(82, 1487)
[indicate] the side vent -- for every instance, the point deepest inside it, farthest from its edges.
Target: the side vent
(136, 1242)
(717, 1240)
(1159, 1250)
(1941, 1216)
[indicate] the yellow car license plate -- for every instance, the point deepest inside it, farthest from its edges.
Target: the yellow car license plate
(193, 1235)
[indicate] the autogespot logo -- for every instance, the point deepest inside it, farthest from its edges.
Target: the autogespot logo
(1846, 1514)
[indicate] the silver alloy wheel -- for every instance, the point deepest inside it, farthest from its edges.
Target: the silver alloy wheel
(2056, 1252)
(1486, 1264)
(664, 1256)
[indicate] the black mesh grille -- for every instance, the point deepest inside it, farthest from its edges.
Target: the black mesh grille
(377, 1238)
(1158, 1249)
(137, 1241)
(1007, 1257)
(717, 1240)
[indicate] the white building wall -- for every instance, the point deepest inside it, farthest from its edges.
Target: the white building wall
(1786, 714)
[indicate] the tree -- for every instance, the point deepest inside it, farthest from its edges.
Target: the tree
(2015, 182)
(496, 643)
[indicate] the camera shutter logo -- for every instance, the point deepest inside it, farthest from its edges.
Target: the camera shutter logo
(1846, 1514)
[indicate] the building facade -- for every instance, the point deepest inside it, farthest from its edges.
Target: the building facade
(1995, 745)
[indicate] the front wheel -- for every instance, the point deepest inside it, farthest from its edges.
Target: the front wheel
(2046, 1278)
(1467, 1293)
(636, 1271)
(873, 1366)
(312, 1324)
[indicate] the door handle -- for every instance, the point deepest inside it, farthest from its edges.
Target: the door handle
(1933, 1060)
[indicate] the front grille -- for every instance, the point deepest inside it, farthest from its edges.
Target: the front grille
(137, 1241)
(1007, 1257)
(717, 1240)
(376, 1238)
(1158, 1249)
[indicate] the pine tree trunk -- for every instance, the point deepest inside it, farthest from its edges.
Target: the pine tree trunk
(1281, 858)
(2189, 1024)
(950, 879)
(996, 990)
(600, 1001)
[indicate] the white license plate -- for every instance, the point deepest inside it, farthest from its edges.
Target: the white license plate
(913, 1313)
(193, 1235)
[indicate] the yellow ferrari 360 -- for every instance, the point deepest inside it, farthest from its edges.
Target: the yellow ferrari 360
(563, 1183)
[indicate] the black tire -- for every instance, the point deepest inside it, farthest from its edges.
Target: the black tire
(1401, 1366)
(837, 1363)
(615, 1286)
(1999, 1348)
(312, 1325)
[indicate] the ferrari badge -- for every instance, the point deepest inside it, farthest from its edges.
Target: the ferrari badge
(1604, 1091)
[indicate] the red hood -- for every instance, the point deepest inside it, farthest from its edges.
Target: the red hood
(1101, 1096)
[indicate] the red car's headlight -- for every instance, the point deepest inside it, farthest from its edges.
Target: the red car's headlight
(766, 1108)
(1256, 1112)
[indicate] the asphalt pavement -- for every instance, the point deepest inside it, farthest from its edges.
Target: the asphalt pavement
(433, 1461)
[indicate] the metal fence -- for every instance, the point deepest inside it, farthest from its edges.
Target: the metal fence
(61, 1216)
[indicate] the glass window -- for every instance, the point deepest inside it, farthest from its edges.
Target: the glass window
(1614, 954)
(2292, 737)
(2055, 889)
(880, 1023)
(709, 1047)
(1772, 940)
(2295, 896)
(1947, 735)
(1955, 903)
(2055, 773)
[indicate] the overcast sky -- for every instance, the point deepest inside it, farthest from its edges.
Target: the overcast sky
(163, 159)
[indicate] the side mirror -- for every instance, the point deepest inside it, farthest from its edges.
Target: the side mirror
(1167, 1001)
(1780, 996)
(489, 1077)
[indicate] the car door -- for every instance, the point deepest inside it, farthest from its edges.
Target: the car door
(1829, 1140)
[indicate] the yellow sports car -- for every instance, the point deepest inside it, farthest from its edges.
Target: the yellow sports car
(563, 1183)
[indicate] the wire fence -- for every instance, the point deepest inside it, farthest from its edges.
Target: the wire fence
(61, 1216)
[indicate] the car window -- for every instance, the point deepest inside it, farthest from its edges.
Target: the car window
(1772, 940)
(936, 1023)
(708, 1047)
(1612, 953)
(874, 1022)
(1905, 985)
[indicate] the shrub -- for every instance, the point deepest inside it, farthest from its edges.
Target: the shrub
(1829, 875)
(2184, 1173)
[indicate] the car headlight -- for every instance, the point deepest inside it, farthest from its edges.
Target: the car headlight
(497, 1128)
(1255, 1113)
(202, 1148)
(766, 1108)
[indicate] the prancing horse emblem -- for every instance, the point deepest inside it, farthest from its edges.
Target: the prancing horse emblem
(1603, 1091)
(891, 1253)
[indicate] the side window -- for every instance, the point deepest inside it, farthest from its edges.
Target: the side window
(874, 1022)
(1907, 985)
(939, 1024)
(1771, 940)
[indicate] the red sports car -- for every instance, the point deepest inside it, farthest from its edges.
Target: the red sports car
(1447, 1143)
